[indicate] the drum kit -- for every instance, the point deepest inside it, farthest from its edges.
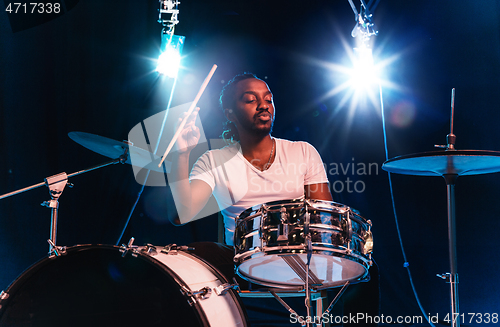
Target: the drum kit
(299, 246)
(293, 246)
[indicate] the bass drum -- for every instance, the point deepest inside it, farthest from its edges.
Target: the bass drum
(107, 286)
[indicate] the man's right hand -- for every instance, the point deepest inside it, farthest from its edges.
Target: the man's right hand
(189, 197)
(190, 135)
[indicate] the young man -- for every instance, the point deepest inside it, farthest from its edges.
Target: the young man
(255, 168)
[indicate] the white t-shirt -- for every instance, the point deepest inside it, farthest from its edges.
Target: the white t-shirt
(237, 185)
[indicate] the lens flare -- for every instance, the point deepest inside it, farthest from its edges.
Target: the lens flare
(169, 62)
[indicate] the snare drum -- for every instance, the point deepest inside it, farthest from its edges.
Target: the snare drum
(103, 286)
(271, 244)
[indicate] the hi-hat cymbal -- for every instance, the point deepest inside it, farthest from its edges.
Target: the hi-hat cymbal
(114, 149)
(439, 163)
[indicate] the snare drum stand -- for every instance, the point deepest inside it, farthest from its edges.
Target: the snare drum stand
(309, 250)
(298, 266)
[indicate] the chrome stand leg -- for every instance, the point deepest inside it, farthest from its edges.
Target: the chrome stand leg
(452, 247)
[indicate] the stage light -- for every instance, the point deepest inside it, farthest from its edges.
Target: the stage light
(169, 60)
(364, 76)
(168, 63)
(364, 73)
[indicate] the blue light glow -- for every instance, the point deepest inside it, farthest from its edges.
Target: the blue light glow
(169, 60)
(364, 73)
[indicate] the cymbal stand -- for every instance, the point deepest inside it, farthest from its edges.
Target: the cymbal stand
(56, 185)
(450, 178)
(452, 277)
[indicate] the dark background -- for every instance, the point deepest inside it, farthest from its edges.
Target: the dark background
(90, 70)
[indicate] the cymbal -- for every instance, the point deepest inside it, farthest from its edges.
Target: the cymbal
(114, 149)
(439, 163)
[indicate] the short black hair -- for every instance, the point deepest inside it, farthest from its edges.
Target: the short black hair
(226, 99)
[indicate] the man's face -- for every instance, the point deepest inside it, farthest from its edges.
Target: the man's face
(254, 107)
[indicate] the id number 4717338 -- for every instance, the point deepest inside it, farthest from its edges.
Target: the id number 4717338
(33, 8)
(469, 318)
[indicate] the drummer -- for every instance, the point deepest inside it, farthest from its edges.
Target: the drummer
(254, 168)
(246, 172)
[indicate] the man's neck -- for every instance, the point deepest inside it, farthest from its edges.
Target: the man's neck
(256, 147)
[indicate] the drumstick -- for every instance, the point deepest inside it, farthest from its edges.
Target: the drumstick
(189, 112)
